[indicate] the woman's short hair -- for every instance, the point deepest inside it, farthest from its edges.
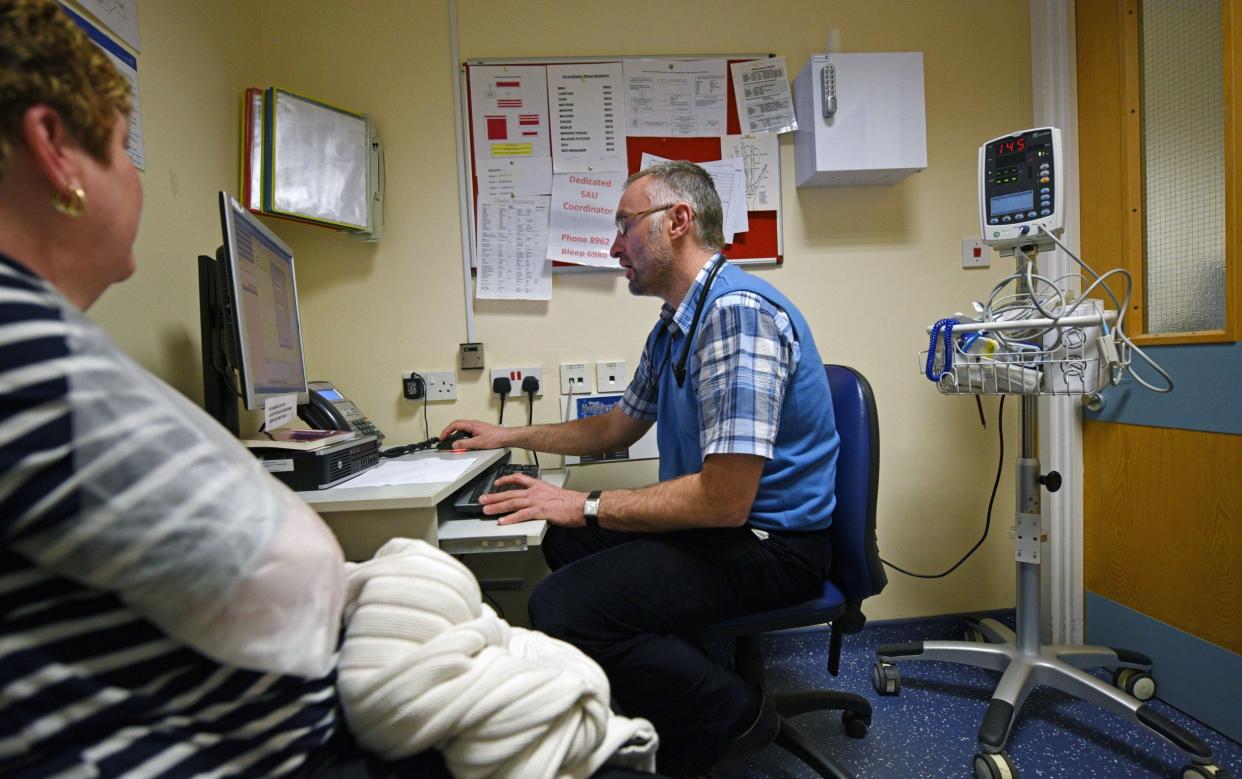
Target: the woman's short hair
(672, 182)
(45, 58)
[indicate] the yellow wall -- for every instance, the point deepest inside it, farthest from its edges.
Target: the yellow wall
(870, 267)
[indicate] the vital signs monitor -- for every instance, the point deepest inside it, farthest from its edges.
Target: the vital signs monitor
(1020, 188)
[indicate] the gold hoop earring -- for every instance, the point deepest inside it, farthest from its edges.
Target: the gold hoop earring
(71, 203)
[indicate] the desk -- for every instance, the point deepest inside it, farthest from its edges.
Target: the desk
(364, 518)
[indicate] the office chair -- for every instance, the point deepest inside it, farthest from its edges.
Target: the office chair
(855, 574)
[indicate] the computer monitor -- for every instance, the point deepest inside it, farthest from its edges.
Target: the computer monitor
(249, 316)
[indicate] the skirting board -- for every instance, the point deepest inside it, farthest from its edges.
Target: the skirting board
(1197, 677)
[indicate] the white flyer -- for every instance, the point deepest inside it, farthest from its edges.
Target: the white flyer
(120, 16)
(764, 103)
(676, 98)
(127, 65)
(509, 108)
(512, 250)
(760, 155)
(729, 176)
(584, 207)
(514, 177)
(588, 117)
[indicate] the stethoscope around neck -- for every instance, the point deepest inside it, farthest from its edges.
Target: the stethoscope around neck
(679, 370)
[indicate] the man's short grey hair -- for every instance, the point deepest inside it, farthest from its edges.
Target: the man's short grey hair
(677, 181)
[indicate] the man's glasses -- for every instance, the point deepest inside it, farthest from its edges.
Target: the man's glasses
(623, 220)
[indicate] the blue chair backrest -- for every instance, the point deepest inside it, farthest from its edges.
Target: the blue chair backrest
(856, 567)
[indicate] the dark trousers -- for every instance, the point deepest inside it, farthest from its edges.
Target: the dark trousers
(633, 602)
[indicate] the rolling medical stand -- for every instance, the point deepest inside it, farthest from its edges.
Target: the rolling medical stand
(1028, 347)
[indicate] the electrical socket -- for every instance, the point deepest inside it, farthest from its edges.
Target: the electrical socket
(579, 373)
(440, 385)
(516, 375)
(611, 376)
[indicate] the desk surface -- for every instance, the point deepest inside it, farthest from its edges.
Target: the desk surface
(454, 533)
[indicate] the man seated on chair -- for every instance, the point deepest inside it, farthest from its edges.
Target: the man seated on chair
(739, 520)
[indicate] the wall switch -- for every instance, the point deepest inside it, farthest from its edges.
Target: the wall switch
(516, 375)
(975, 254)
(470, 358)
(575, 378)
(441, 385)
(611, 376)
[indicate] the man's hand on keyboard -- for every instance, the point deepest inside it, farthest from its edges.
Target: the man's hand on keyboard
(534, 499)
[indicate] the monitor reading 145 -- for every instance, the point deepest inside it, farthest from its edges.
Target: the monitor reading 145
(248, 296)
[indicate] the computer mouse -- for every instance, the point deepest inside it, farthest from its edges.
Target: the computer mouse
(450, 440)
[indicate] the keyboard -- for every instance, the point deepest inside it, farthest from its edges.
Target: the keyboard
(467, 500)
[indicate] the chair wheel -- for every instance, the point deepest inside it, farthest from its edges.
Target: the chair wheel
(855, 724)
(1138, 683)
(1205, 771)
(886, 678)
(994, 766)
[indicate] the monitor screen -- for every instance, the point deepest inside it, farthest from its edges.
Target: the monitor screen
(264, 299)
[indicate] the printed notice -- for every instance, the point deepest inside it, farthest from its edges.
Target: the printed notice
(512, 250)
(127, 65)
(279, 411)
(584, 207)
(764, 104)
(509, 107)
(676, 98)
(760, 155)
(729, 177)
(588, 117)
(120, 16)
(514, 177)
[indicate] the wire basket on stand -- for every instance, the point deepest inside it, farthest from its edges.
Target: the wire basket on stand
(1071, 358)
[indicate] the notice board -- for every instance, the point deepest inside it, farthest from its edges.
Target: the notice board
(761, 243)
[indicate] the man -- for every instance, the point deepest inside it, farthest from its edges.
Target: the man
(738, 522)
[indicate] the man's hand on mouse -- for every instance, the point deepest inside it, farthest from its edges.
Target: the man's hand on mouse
(482, 435)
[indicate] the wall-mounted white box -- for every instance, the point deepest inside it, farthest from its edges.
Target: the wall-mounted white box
(878, 134)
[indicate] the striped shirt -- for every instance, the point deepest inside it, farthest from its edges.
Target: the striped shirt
(123, 517)
(741, 368)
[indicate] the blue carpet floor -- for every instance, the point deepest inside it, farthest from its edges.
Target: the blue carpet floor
(929, 730)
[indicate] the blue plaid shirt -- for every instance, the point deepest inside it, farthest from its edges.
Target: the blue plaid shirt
(740, 370)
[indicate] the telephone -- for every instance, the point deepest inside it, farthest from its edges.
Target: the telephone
(328, 409)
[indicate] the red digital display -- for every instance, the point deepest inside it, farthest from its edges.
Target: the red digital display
(1009, 147)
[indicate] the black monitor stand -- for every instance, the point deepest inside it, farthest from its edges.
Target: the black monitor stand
(219, 341)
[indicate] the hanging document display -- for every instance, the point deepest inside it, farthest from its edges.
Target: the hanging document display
(305, 160)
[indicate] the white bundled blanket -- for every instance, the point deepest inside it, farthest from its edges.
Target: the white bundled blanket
(426, 665)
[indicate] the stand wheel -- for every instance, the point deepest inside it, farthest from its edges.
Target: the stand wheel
(994, 766)
(886, 678)
(1205, 771)
(975, 635)
(856, 724)
(1138, 683)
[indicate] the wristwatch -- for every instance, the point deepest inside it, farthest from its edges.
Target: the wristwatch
(590, 509)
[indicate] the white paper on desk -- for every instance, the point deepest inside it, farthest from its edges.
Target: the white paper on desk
(516, 177)
(588, 117)
(512, 249)
(760, 155)
(729, 176)
(764, 104)
(676, 98)
(424, 470)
